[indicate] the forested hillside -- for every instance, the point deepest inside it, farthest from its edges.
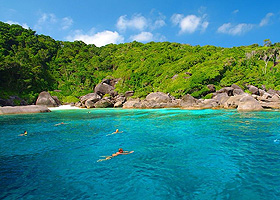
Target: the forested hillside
(31, 63)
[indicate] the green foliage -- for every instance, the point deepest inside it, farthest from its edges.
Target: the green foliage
(69, 99)
(63, 97)
(208, 96)
(106, 95)
(31, 63)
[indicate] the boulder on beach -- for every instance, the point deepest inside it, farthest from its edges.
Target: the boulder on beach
(159, 97)
(90, 102)
(104, 88)
(248, 103)
(237, 92)
(119, 101)
(227, 90)
(132, 103)
(104, 103)
(188, 101)
(253, 89)
(233, 102)
(45, 99)
(93, 96)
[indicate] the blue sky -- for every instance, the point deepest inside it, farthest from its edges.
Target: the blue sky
(225, 23)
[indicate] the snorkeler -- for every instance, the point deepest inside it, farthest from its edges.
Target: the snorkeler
(60, 124)
(120, 152)
(23, 134)
(117, 131)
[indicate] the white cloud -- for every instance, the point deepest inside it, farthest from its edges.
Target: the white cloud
(190, 23)
(238, 29)
(142, 37)
(235, 11)
(66, 23)
(140, 23)
(204, 26)
(158, 24)
(13, 22)
(177, 18)
(137, 22)
(242, 28)
(49, 21)
(46, 19)
(99, 39)
(266, 19)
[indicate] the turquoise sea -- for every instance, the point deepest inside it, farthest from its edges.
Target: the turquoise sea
(178, 154)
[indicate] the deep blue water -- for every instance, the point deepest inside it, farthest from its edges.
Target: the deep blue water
(178, 154)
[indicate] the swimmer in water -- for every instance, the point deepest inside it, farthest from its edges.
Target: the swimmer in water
(117, 131)
(120, 152)
(23, 134)
(60, 124)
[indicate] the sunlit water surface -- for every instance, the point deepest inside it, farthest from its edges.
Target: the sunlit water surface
(178, 154)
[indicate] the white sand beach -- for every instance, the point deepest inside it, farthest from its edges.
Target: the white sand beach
(64, 107)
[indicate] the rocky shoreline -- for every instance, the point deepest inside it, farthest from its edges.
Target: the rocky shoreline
(232, 97)
(105, 96)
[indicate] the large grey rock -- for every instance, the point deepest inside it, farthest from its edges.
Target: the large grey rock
(119, 101)
(270, 105)
(188, 101)
(220, 97)
(272, 92)
(129, 94)
(237, 92)
(234, 86)
(233, 101)
(264, 97)
(90, 103)
(104, 103)
(104, 88)
(88, 96)
(23, 109)
(207, 104)
(159, 97)
(56, 100)
(248, 103)
(45, 99)
(228, 90)
(268, 101)
(262, 92)
(253, 89)
(133, 103)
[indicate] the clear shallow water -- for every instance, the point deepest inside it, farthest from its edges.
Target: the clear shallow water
(178, 154)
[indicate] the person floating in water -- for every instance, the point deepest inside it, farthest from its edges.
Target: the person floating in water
(120, 152)
(60, 124)
(117, 131)
(23, 134)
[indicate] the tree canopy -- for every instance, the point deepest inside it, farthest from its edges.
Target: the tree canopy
(31, 63)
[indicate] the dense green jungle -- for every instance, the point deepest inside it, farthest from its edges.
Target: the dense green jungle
(32, 63)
